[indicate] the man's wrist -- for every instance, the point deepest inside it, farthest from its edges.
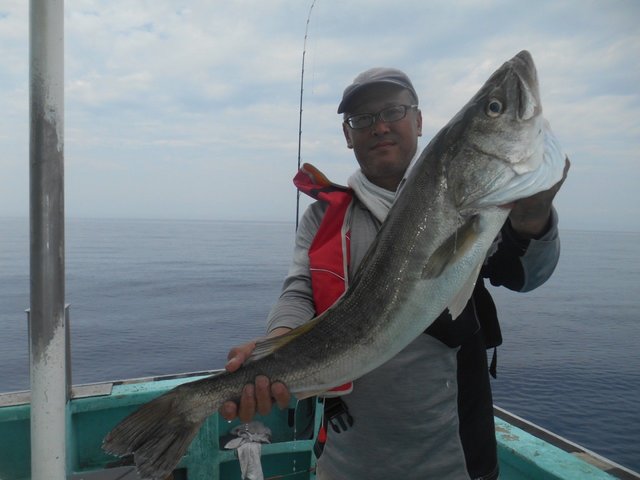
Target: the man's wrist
(531, 228)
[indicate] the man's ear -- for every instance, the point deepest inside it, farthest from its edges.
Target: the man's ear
(419, 119)
(347, 135)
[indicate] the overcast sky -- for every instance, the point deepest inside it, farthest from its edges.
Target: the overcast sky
(189, 109)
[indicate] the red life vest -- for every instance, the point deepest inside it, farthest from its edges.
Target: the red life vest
(329, 252)
(329, 255)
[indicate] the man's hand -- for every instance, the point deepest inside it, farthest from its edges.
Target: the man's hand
(256, 397)
(529, 217)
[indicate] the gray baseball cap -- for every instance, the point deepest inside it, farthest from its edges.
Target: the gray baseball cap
(372, 76)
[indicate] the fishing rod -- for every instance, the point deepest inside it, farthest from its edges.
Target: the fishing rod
(304, 52)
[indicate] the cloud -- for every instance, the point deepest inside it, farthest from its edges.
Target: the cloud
(195, 105)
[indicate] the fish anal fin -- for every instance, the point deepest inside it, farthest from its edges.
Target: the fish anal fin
(326, 392)
(308, 394)
(266, 346)
(453, 248)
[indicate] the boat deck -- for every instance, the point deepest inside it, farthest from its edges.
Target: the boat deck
(525, 450)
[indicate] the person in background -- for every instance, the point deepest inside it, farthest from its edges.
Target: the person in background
(428, 412)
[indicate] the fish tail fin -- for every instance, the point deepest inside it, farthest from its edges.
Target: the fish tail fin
(157, 434)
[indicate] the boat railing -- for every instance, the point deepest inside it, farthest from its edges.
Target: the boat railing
(95, 408)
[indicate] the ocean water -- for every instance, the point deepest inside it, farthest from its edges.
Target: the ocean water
(152, 297)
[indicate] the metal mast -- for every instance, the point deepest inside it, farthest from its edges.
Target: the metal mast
(47, 330)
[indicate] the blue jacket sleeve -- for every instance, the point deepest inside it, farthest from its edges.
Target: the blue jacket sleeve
(522, 264)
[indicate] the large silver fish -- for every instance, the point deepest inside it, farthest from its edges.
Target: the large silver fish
(425, 259)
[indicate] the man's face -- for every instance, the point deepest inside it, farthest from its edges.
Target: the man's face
(384, 149)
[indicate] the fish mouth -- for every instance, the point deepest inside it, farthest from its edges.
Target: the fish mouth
(527, 91)
(523, 94)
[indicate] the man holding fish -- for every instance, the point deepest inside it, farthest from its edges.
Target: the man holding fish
(385, 300)
(427, 412)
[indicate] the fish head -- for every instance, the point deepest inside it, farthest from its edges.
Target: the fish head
(499, 152)
(507, 120)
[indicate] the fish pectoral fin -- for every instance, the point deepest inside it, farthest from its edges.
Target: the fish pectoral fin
(455, 247)
(268, 345)
(456, 306)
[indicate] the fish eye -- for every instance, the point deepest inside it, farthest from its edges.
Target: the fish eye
(494, 107)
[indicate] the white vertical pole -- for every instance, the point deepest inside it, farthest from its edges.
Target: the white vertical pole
(47, 312)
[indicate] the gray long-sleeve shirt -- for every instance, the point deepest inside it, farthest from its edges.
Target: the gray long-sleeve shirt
(406, 411)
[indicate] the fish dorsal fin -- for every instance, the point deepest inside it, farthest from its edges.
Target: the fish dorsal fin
(452, 249)
(456, 306)
(266, 346)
